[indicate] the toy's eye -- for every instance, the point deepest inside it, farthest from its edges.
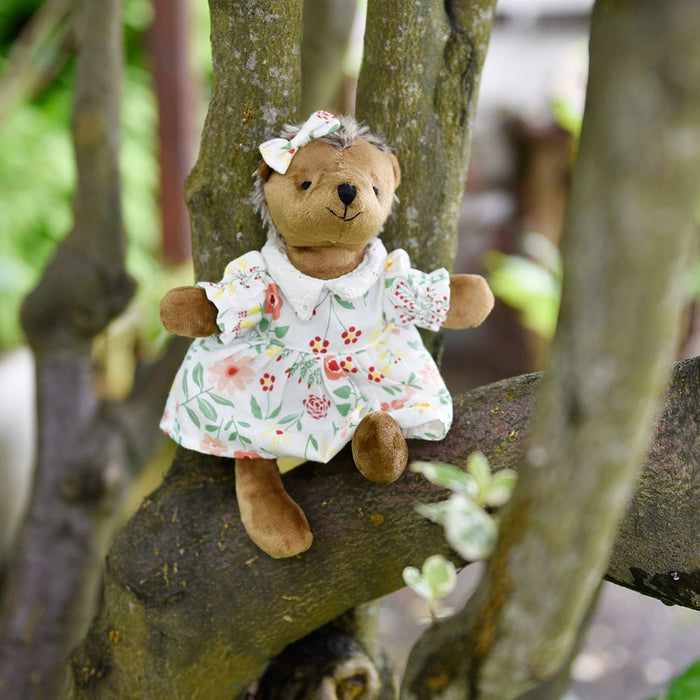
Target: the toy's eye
(305, 185)
(376, 191)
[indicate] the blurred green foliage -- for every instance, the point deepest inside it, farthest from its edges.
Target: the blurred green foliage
(37, 171)
(686, 686)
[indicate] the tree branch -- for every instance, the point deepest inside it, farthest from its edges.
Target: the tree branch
(626, 244)
(192, 608)
(85, 452)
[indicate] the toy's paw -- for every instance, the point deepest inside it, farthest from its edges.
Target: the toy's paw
(379, 449)
(187, 311)
(271, 518)
(471, 301)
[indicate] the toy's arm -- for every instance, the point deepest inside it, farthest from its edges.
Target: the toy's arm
(187, 311)
(471, 301)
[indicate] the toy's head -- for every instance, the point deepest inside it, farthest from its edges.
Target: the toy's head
(338, 189)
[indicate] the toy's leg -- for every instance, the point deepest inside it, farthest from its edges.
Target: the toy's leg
(379, 449)
(270, 517)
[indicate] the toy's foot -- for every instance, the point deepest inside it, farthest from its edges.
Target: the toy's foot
(270, 517)
(379, 449)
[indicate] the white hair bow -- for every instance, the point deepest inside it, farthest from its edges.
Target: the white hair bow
(278, 153)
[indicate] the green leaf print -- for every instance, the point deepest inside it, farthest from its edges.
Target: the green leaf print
(211, 428)
(220, 400)
(287, 419)
(208, 411)
(233, 436)
(344, 408)
(281, 332)
(276, 412)
(345, 304)
(313, 441)
(193, 416)
(243, 424)
(184, 386)
(343, 392)
(255, 408)
(198, 375)
(264, 325)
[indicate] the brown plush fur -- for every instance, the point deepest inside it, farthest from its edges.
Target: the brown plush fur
(325, 237)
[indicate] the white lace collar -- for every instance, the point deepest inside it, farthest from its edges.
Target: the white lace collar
(303, 292)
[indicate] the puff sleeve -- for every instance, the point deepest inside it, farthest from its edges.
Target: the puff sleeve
(412, 296)
(240, 295)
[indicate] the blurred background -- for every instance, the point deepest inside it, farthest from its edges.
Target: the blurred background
(529, 116)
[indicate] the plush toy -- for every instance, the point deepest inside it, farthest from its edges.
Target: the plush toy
(311, 342)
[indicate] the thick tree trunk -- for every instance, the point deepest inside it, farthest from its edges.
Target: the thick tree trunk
(192, 608)
(626, 244)
(87, 448)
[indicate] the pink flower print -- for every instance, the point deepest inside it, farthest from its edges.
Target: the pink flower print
(333, 368)
(394, 405)
(351, 335)
(317, 406)
(348, 366)
(318, 345)
(246, 455)
(429, 374)
(267, 381)
(212, 446)
(273, 301)
(374, 375)
(232, 373)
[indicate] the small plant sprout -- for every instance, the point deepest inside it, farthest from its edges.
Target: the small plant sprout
(436, 580)
(470, 530)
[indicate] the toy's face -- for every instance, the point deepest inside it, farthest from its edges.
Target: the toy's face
(331, 197)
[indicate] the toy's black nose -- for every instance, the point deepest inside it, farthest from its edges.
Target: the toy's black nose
(346, 193)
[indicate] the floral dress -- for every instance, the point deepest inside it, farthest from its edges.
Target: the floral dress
(299, 361)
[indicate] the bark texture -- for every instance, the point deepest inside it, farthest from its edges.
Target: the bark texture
(191, 607)
(418, 87)
(256, 89)
(626, 246)
(87, 448)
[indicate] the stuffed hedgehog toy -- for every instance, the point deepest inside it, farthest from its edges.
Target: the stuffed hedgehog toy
(311, 342)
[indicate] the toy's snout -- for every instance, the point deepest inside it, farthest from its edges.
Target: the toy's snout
(347, 193)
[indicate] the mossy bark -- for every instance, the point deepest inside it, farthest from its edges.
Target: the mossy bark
(626, 243)
(256, 51)
(193, 609)
(418, 87)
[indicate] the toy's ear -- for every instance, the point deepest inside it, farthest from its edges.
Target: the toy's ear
(397, 170)
(264, 171)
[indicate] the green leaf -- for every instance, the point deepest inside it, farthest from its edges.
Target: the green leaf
(244, 439)
(264, 325)
(500, 489)
(243, 424)
(198, 375)
(345, 304)
(413, 579)
(313, 441)
(440, 575)
(184, 385)
(344, 408)
(276, 412)
(207, 410)
(193, 416)
(478, 467)
(286, 419)
(447, 476)
(255, 408)
(437, 512)
(343, 392)
(470, 530)
(233, 436)
(686, 686)
(211, 428)
(281, 332)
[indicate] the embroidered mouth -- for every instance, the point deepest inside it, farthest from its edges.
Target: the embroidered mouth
(344, 217)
